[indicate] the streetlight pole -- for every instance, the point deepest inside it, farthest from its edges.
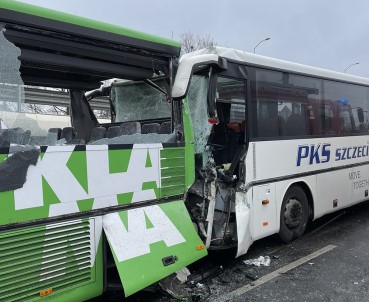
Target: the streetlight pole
(351, 65)
(260, 43)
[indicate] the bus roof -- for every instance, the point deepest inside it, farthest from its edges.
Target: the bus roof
(267, 62)
(30, 15)
(66, 51)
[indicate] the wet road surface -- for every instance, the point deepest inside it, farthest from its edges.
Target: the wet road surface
(329, 263)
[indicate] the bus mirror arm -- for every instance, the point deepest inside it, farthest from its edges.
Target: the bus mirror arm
(102, 91)
(187, 67)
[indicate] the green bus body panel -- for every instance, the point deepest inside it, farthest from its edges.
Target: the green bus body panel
(79, 23)
(169, 232)
(163, 175)
(102, 177)
(55, 257)
(172, 162)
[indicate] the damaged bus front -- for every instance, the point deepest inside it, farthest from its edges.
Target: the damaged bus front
(75, 198)
(213, 91)
(270, 141)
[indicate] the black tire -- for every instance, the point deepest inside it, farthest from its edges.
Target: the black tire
(294, 214)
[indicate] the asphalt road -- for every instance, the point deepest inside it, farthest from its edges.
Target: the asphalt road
(329, 263)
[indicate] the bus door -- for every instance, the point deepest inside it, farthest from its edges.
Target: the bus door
(227, 144)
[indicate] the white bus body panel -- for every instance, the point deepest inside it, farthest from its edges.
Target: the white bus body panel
(336, 171)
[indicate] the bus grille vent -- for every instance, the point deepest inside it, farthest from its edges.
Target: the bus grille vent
(48, 258)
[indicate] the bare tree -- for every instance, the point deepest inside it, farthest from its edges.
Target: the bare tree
(190, 42)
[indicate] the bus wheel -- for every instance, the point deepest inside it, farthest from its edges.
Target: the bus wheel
(294, 214)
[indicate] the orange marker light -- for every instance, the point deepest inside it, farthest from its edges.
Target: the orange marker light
(46, 292)
(265, 202)
(200, 247)
(265, 223)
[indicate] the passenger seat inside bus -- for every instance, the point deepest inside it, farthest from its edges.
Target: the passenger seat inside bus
(129, 128)
(113, 131)
(68, 133)
(53, 135)
(150, 128)
(98, 133)
(165, 128)
(14, 136)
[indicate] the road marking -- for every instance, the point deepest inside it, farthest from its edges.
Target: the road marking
(282, 270)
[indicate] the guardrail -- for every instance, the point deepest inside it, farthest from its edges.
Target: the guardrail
(42, 96)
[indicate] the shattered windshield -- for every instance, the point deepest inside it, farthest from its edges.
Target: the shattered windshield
(197, 95)
(11, 84)
(137, 101)
(14, 111)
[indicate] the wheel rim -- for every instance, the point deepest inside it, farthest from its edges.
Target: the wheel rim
(293, 213)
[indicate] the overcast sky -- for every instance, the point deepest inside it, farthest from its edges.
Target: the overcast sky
(330, 34)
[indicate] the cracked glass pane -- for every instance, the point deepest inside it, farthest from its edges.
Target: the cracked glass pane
(12, 94)
(137, 101)
(197, 96)
(150, 138)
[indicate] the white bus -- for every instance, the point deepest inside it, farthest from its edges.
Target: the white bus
(289, 143)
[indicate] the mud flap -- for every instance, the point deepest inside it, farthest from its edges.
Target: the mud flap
(151, 243)
(243, 224)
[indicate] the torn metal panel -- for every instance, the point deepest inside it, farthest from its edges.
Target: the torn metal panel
(210, 216)
(13, 170)
(243, 223)
(167, 242)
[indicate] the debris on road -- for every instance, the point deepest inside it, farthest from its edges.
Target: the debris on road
(252, 277)
(182, 274)
(261, 261)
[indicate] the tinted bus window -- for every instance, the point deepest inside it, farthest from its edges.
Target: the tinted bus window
(349, 106)
(286, 105)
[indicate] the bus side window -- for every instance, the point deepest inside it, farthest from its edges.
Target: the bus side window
(231, 106)
(345, 121)
(272, 124)
(296, 122)
(326, 120)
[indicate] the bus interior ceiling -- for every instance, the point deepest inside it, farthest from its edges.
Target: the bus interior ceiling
(52, 62)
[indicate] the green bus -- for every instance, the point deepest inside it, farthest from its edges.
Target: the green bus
(80, 200)
(162, 157)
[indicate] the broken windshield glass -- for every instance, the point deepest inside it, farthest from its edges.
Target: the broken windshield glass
(12, 96)
(137, 101)
(197, 95)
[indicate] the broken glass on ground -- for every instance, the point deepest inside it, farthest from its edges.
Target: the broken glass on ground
(184, 290)
(260, 261)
